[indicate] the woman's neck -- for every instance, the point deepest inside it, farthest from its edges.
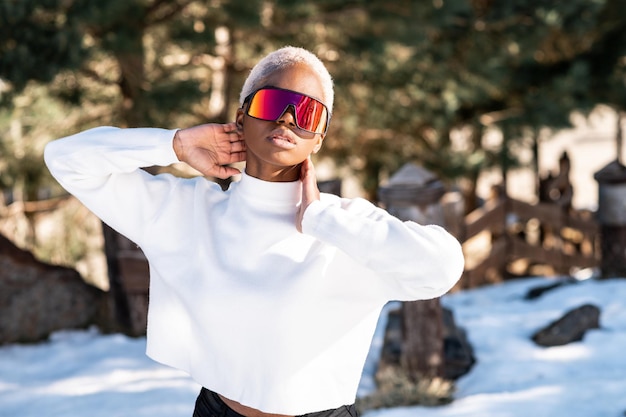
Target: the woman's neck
(274, 174)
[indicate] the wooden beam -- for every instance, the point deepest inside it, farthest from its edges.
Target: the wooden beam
(490, 217)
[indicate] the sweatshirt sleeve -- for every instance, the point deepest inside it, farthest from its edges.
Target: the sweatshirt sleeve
(414, 261)
(101, 167)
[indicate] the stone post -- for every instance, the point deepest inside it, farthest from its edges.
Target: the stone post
(414, 193)
(611, 215)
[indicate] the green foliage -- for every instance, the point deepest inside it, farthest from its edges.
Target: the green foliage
(450, 65)
(415, 81)
(26, 127)
(38, 39)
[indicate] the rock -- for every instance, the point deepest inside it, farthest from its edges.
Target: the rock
(37, 299)
(458, 352)
(536, 292)
(392, 342)
(569, 328)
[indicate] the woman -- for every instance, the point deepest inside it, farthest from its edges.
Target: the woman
(267, 294)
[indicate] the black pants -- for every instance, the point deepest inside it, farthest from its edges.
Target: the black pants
(209, 404)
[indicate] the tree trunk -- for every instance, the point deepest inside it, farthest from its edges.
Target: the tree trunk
(535, 163)
(120, 305)
(471, 199)
(422, 351)
(619, 139)
(132, 78)
(131, 60)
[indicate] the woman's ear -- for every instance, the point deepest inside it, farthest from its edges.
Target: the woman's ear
(239, 120)
(318, 145)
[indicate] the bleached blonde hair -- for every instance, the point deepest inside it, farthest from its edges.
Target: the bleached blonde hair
(284, 58)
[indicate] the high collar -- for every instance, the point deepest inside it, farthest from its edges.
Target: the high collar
(287, 194)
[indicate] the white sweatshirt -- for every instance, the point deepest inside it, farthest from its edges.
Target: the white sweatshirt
(274, 319)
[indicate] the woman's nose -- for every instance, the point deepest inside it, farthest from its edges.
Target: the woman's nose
(288, 116)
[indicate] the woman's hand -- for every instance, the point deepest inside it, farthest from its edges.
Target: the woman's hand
(209, 148)
(310, 192)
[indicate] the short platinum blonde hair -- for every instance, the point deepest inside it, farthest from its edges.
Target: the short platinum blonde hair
(284, 58)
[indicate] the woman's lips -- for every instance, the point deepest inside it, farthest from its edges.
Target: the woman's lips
(282, 141)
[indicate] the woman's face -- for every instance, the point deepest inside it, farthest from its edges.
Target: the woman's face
(275, 149)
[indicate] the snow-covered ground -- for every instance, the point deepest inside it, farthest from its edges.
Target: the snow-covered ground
(84, 373)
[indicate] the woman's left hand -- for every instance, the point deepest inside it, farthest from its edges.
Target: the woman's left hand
(310, 192)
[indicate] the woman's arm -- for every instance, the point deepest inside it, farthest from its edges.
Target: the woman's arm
(101, 167)
(415, 261)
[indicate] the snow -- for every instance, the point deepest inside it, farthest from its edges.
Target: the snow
(85, 373)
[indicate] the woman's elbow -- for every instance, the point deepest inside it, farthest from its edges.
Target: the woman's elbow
(443, 270)
(452, 265)
(449, 260)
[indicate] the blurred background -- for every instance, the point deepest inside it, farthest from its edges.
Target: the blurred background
(504, 117)
(482, 93)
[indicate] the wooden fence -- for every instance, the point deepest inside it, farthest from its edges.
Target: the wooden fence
(129, 282)
(508, 238)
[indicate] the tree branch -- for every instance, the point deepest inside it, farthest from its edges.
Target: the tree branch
(162, 10)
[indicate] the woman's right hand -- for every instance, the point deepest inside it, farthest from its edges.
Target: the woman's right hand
(209, 148)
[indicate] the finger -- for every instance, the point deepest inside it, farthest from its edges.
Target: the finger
(238, 146)
(309, 181)
(234, 137)
(224, 172)
(237, 157)
(230, 171)
(307, 170)
(230, 127)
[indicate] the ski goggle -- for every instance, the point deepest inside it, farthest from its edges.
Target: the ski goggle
(270, 103)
